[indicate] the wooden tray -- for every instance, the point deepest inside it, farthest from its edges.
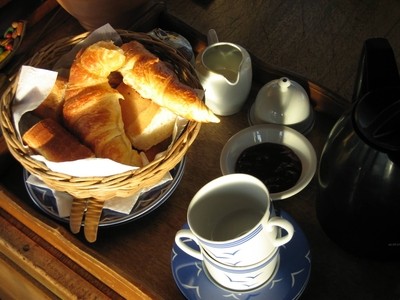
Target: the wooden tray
(134, 260)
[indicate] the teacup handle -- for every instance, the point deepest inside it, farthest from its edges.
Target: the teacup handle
(187, 234)
(286, 225)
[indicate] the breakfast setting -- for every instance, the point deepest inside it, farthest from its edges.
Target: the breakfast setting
(143, 159)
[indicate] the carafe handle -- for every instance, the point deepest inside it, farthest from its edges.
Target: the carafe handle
(377, 68)
(376, 108)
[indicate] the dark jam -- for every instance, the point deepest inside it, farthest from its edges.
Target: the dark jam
(276, 165)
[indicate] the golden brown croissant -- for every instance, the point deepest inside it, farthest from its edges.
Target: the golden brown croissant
(152, 79)
(93, 65)
(91, 109)
(51, 107)
(95, 117)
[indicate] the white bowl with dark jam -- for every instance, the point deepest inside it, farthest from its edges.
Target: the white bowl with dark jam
(278, 155)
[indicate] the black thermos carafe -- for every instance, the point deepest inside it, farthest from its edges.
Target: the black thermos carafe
(358, 200)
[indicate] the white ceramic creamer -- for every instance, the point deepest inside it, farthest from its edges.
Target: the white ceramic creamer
(225, 72)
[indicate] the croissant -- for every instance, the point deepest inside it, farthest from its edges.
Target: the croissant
(95, 117)
(152, 79)
(91, 108)
(51, 107)
(93, 65)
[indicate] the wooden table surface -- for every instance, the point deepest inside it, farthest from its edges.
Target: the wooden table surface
(134, 259)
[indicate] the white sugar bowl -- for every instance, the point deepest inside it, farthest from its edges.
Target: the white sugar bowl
(285, 102)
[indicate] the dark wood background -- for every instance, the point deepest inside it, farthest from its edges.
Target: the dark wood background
(319, 39)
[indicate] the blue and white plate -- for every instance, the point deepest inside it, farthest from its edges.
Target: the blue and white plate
(146, 203)
(288, 282)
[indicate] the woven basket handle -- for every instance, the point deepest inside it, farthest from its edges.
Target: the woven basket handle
(86, 211)
(92, 218)
(76, 216)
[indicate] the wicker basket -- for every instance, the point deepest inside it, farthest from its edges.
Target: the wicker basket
(91, 192)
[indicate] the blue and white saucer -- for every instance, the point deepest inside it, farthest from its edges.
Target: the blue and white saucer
(288, 282)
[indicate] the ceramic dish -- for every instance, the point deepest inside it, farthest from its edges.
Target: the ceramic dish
(288, 281)
(277, 134)
(303, 127)
(147, 202)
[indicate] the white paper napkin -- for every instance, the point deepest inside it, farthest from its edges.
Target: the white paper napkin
(34, 85)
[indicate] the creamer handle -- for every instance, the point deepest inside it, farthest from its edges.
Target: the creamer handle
(212, 37)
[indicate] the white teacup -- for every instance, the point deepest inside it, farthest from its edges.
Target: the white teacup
(230, 219)
(241, 278)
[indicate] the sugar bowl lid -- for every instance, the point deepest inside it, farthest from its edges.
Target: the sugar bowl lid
(285, 102)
